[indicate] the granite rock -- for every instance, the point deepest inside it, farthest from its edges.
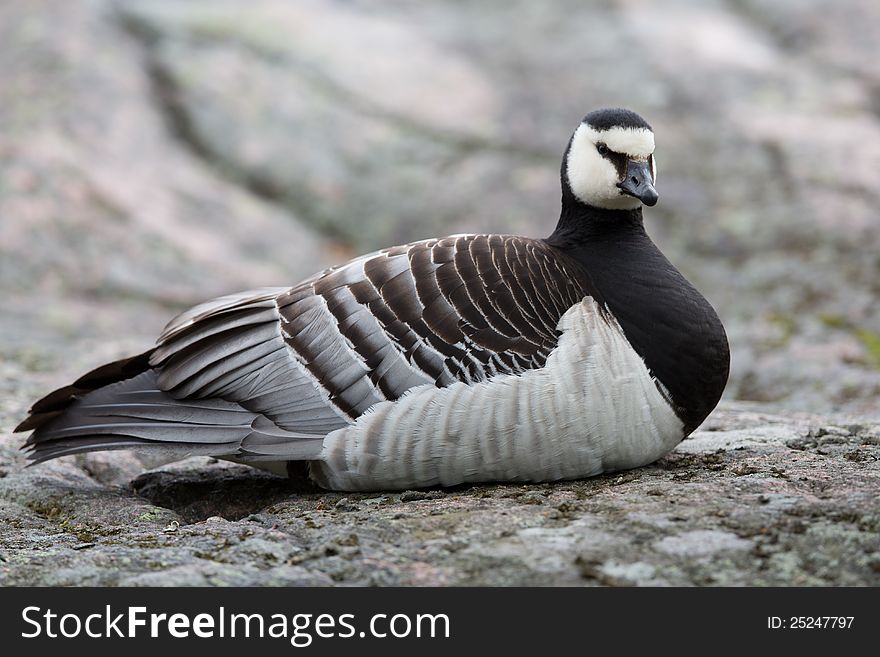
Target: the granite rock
(155, 154)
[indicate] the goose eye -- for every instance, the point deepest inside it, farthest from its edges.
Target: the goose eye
(602, 148)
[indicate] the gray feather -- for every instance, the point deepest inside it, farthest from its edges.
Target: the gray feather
(135, 414)
(242, 356)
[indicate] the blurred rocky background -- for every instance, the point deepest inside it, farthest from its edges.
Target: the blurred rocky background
(157, 153)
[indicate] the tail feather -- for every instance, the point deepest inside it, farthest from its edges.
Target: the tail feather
(58, 448)
(98, 412)
(53, 404)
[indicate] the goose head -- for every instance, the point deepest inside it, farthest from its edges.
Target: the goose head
(609, 162)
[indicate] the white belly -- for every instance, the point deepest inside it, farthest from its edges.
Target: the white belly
(593, 408)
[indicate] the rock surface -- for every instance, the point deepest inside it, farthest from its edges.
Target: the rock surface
(155, 154)
(751, 499)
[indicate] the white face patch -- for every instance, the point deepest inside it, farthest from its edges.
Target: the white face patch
(638, 143)
(592, 178)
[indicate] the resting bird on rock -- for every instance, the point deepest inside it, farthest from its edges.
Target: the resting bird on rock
(462, 359)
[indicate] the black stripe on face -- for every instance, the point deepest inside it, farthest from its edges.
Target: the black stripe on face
(619, 160)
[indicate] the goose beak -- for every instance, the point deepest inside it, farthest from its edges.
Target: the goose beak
(638, 182)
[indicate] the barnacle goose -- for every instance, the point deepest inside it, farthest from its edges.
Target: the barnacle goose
(462, 359)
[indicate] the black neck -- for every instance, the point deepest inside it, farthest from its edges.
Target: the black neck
(580, 223)
(666, 320)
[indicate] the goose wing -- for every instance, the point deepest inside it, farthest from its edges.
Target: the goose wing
(314, 357)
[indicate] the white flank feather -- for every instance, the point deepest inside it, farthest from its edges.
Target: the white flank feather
(593, 408)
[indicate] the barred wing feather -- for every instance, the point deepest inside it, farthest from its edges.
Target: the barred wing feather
(267, 373)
